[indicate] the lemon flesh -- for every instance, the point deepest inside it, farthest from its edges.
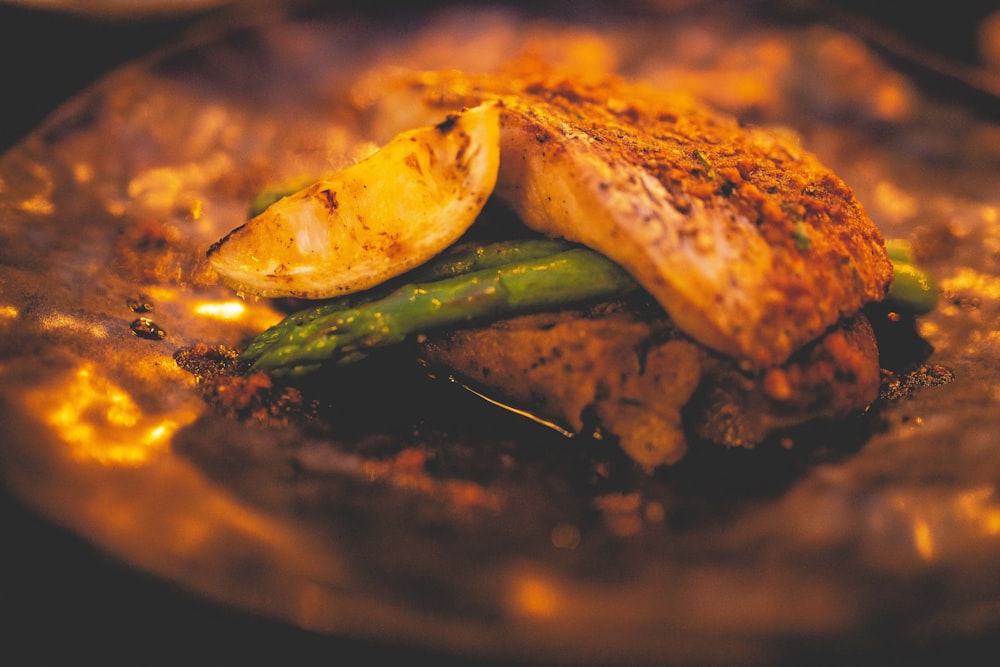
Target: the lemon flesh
(377, 219)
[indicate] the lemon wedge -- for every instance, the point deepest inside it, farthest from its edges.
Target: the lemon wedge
(378, 218)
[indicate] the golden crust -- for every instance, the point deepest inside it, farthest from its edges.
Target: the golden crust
(751, 245)
(829, 379)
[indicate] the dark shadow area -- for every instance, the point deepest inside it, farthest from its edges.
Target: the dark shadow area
(47, 57)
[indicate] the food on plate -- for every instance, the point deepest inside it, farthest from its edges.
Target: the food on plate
(701, 279)
(490, 281)
(386, 214)
(749, 243)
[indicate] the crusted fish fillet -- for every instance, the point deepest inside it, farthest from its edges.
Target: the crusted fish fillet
(751, 245)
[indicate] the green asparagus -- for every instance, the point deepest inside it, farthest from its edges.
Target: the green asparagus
(899, 250)
(275, 191)
(341, 334)
(476, 283)
(456, 261)
(913, 290)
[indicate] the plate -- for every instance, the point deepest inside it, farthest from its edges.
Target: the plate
(409, 511)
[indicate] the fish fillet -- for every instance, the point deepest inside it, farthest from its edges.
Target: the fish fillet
(749, 243)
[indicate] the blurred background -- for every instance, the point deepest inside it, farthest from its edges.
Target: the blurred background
(58, 592)
(50, 49)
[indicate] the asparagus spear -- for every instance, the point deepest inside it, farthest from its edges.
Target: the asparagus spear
(913, 290)
(468, 283)
(453, 262)
(344, 335)
(275, 191)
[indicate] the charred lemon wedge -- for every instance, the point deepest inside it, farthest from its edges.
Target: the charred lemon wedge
(382, 216)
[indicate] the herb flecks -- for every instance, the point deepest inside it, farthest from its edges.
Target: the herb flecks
(800, 234)
(709, 169)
